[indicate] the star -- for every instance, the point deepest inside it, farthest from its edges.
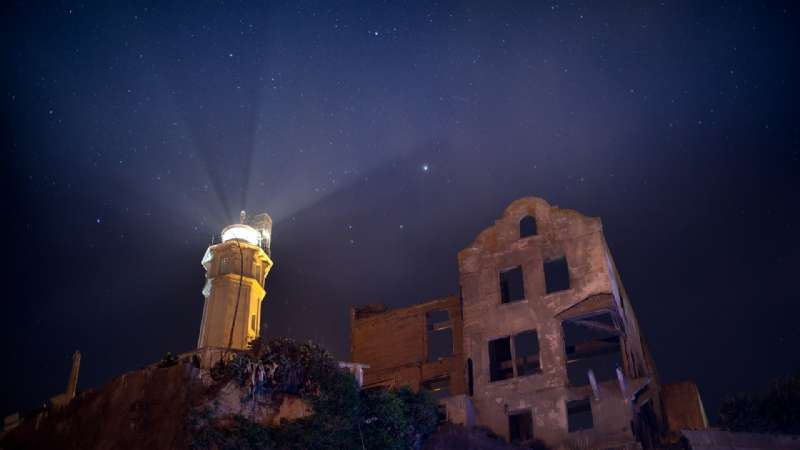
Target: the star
(426, 168)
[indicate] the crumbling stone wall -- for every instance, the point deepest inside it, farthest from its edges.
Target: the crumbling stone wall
(508, 299)
(683, 408)
(594, 286)
(394, 345)
(625, 409)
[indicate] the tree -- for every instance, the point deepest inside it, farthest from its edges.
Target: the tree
(777, 410)
(343, 415)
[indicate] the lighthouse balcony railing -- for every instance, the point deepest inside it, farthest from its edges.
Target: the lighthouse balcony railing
(216, 238)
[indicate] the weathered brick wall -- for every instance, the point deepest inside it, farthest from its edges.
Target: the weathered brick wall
(394, 344)
(683, 408)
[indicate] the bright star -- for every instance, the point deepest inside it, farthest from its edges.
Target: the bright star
(426, 167)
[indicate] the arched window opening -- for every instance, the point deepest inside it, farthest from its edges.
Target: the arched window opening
(527, 227)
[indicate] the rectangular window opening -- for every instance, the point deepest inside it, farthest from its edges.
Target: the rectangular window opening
(511, 285)
(223, 265)
(437, 316)
(520, 427)
(579, 415)
(439, 334)
(500, 367)
(556, 275)
(438, 387)
(592, 343)
(526, 352)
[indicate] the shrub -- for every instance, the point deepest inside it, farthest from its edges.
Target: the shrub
(167, 360)
(777, 410)
(343, 415)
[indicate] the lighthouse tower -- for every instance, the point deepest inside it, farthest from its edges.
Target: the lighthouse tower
(236, 269)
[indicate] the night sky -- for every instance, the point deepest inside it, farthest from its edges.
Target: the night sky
(382, 137)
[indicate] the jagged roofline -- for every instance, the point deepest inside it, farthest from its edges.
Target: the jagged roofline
(373, 309)
(512, 211)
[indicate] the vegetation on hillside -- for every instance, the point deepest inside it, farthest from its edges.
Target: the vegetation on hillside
(776, 410)
(343, 415)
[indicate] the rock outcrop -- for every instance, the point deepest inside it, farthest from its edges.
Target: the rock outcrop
(153, 408)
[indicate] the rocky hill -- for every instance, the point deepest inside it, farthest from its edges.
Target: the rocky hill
(281, 395)
(149, 408)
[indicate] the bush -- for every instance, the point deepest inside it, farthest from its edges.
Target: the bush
(167, 360)
(241, 434)
(343, 415)
(775, 411)
(422, 413)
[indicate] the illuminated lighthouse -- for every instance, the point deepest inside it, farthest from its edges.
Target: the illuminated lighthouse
(236, 269)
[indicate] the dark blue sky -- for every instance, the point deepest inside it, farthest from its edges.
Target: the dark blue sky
(382, 137)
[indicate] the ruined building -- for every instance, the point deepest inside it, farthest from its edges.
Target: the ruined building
(541, 343)
(236, 269)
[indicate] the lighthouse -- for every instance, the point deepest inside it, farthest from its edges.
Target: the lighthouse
(236, 269)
